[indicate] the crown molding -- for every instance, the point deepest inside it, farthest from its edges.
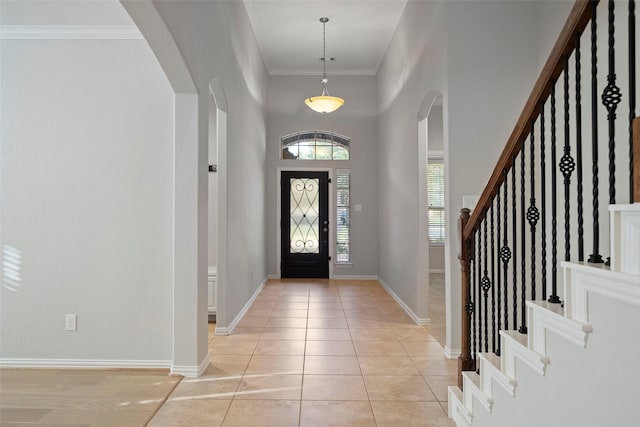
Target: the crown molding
(70, 32)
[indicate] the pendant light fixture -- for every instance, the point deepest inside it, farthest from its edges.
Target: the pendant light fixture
(324, 103)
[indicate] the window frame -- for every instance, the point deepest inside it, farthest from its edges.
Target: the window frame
(341, 208)
(312, 138)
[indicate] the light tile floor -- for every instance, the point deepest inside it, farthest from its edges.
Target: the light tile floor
(318, 353)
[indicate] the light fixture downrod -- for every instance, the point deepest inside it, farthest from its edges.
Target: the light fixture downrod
(324, 103)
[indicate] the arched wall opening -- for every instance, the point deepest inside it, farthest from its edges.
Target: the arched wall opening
(217, 204)
(431, 214)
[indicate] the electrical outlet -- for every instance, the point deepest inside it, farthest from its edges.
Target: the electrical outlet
(71, 322)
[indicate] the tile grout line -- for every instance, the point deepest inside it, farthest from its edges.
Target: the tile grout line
(153, 414)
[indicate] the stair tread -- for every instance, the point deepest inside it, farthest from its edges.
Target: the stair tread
(492, 358)
(555, 308)
(517, 336)
(473, 377)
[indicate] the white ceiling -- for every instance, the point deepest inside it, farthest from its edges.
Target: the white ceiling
(289, 33)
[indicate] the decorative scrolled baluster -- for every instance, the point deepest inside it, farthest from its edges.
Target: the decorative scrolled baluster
(485, 283)
(611, 97)
(533, 215)
(514, 230)
(567, 166)
(505, 253)
(498, 271)
(470, 307)
(478, 300)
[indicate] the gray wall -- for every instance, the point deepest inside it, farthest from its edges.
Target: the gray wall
(216, 41)
(357, 120)
(478, 55)
(86, 198)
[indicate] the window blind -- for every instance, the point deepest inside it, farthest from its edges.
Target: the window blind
(435, 200)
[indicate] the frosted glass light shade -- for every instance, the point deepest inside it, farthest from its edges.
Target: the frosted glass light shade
(324, 103)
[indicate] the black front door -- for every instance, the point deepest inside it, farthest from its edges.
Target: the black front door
(305, 224)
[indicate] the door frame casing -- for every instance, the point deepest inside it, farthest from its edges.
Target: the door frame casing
(332, 214)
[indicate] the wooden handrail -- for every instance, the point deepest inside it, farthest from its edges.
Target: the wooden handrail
(577, 21)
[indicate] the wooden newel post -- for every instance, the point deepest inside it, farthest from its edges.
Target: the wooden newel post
(465, 361)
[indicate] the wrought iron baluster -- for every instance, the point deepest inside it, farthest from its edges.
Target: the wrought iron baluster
(554, 210)
(579, 152)
(471, 309)
(523, 263)
(543, 206)
(611, 97)
(505, 255)
(595, 257)
(514, 228)
(486, 285)
(632, 89)
(533, 215)
(567, 166)
(479, 285)
(498, 271)
(493, 288)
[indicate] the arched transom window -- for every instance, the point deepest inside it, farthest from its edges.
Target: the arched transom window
(315, 145)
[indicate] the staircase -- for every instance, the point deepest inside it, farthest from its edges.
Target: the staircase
(576, 365)
(549, 329)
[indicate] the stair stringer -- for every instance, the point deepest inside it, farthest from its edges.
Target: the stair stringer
(570, 324)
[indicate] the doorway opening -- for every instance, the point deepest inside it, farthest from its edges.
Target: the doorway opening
(432, 212)
(217, 208)
(284, 215)
(304, 224)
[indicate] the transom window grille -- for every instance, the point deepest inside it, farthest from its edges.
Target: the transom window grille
(435, 200)
(343, 227)
(315, 145)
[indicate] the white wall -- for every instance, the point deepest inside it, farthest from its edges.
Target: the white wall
(87, 199)
(357, 120)
(216, 41)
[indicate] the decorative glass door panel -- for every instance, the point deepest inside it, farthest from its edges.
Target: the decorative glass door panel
(305, 224)
(304, 233)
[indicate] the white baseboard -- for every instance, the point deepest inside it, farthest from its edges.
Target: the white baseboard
(272, 276)
(227, 330)
(191, 371)
(436, 270)
(451, 353)
(405, 307)
(354, 277)
(85, 363)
